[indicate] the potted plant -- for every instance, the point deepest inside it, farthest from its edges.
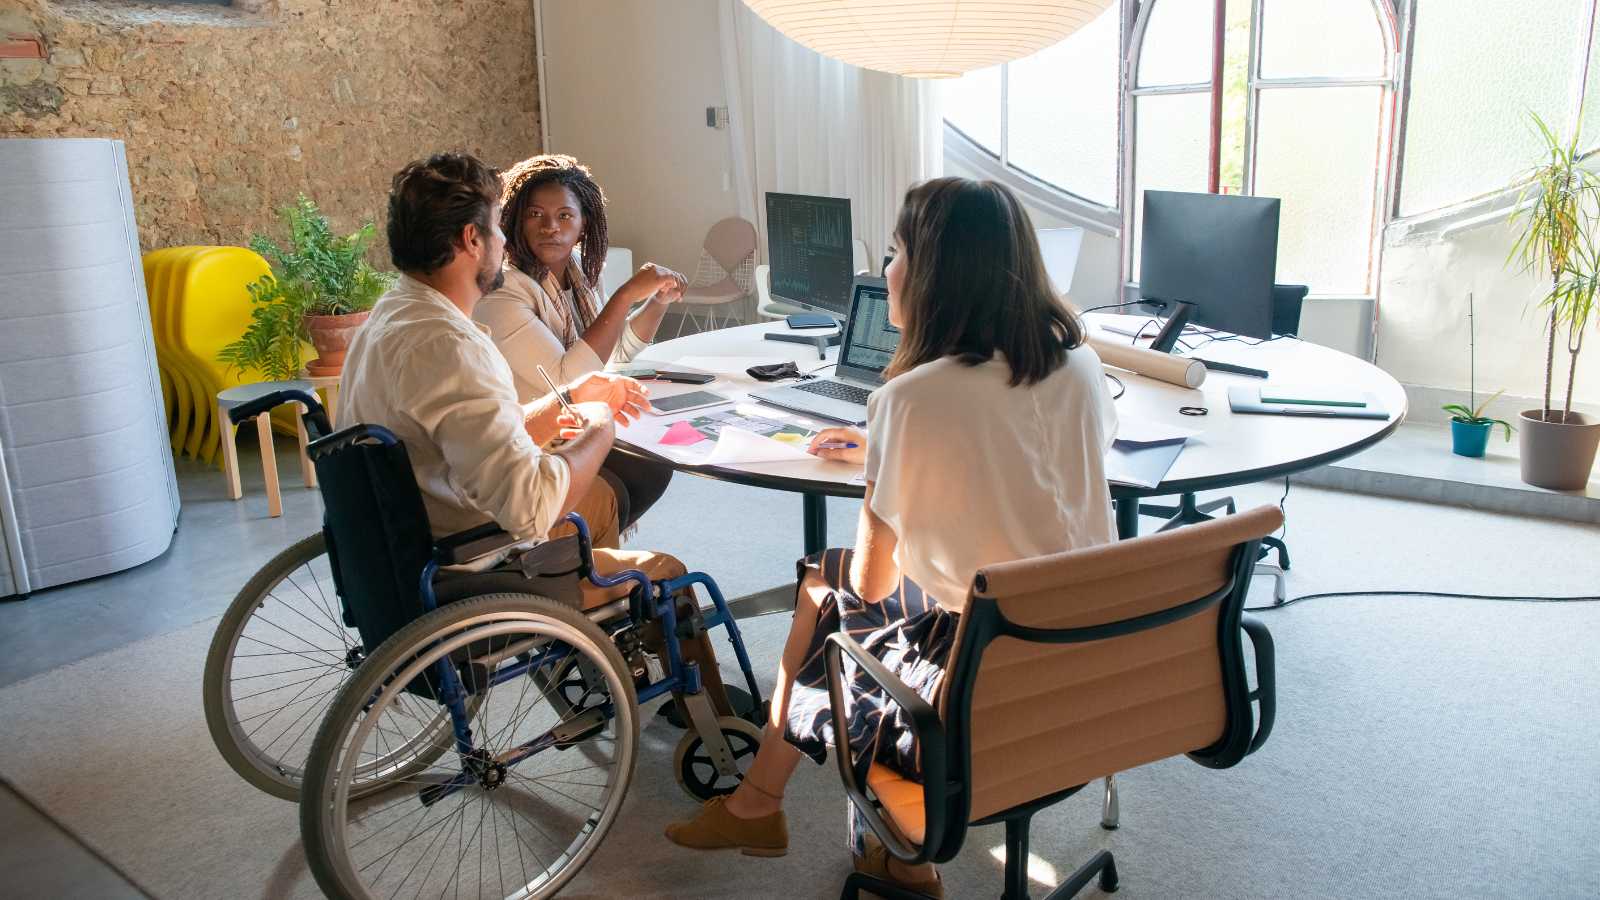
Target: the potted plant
(1556, 218)
(321, 288)
(1469, 427)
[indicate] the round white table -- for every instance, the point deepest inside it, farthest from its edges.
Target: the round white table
(1230, 450)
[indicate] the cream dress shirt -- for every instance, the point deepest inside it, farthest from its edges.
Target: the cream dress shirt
(533, 325)
(969, 471)
(420, 368)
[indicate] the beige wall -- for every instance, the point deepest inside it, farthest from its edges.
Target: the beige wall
(628, 84)
(1422, 328)
(229, 112)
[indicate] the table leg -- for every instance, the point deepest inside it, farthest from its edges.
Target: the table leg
(1127, 517)
(816, 523)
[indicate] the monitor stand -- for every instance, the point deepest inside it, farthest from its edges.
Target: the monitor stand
(1167, 339)
(819, 341)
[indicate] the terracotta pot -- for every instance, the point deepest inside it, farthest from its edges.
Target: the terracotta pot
(331, 336)
(1558, 454)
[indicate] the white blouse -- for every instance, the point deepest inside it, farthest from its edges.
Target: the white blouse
(533, 325)
(969, 471)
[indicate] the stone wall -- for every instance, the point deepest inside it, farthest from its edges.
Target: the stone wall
(229, 110)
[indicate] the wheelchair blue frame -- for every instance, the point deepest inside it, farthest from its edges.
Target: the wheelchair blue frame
(647, 601)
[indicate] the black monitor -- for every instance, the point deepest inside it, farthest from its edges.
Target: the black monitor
(1211, 259)
(808, 247)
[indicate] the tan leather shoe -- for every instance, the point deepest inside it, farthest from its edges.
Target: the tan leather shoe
(876, 864)
(714, 828)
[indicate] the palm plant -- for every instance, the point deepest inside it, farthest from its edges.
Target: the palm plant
(1555, 218)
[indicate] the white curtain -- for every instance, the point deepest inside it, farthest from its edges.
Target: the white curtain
(801, 123)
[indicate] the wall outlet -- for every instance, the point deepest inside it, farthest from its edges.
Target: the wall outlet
(717, 117)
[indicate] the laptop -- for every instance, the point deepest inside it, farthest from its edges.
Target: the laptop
(869, 343)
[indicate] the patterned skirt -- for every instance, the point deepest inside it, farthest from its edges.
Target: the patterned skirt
(909, 632)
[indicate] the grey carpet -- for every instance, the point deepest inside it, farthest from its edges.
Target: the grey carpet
(1425, 748)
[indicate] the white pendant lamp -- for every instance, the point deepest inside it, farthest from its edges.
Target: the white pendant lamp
(927, 38)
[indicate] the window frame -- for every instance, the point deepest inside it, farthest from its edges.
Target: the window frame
(1395, 34)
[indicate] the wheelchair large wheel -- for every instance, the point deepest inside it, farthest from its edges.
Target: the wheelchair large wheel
(522, 810)
(280, 654)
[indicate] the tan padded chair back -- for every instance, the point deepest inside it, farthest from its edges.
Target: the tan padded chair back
(730, 242)
(1047, 717)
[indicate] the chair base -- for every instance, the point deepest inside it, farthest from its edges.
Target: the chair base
(1101, 866)
(1188, 512)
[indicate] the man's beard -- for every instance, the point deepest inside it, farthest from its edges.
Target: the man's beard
(491, 278)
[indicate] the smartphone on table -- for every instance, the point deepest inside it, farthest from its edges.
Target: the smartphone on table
(686, 402)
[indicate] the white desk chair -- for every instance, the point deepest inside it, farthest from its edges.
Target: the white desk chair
(767, 307)
(618, 268)
(860, 263)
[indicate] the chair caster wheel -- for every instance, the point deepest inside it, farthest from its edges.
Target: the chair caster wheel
(694, 769)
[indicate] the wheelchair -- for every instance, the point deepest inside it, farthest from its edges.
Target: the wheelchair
(444, 729)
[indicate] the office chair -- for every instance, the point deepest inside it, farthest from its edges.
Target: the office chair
(1286, 302)
(1068, 668)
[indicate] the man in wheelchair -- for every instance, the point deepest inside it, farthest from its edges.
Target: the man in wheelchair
(423, 369)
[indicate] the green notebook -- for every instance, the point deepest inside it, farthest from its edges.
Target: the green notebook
(1311, 395)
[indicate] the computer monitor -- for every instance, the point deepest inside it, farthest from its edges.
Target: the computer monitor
(1211, 258)
(809, 249)
(871, 341)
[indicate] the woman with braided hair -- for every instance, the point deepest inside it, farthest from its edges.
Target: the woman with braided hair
(551, 312)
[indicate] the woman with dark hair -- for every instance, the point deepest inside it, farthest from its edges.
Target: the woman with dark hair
(985, 445)
(550, 311)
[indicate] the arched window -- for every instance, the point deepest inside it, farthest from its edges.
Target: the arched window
(1287, 98)
(1052, 116)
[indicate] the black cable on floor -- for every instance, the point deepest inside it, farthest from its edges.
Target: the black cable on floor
(1510, 598)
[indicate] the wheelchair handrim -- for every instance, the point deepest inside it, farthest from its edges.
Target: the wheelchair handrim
(481, 628)
(282, 770)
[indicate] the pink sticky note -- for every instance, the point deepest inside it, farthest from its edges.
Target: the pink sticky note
(682, 434)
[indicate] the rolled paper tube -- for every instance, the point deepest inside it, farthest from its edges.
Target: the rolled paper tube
(1160, 366)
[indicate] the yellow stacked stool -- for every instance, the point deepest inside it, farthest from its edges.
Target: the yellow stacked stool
(200, 303)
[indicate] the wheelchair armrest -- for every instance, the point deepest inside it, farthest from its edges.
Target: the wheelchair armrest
(586, 558)
(474, 543)
(1266, 678)
(930, 736)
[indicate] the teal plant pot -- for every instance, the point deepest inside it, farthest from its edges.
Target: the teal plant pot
(1469, 438)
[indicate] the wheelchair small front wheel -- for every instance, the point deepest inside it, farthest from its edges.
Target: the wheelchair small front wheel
(697, 770)
(525, 793)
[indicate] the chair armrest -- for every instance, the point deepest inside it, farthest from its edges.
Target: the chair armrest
(474, 543)
(926, 727)
(1266, 678)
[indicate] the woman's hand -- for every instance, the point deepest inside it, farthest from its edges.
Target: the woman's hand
(842, 444)
(625, 398)
(661, 283)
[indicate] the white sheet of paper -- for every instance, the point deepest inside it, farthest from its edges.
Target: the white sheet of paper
(1133, 430)
(736, 446)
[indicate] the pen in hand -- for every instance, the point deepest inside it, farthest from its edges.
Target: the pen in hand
(554, 389)
(835, 445)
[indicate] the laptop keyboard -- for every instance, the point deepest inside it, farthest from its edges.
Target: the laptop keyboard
(836, 390)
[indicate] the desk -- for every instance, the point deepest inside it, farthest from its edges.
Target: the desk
(1232, 450)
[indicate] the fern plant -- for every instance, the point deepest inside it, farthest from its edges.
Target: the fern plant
(316, 273)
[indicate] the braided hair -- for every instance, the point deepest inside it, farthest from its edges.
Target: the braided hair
(526, 177)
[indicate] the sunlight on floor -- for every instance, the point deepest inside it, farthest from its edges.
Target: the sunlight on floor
(1038, 869)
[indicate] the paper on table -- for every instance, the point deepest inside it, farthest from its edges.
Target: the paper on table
(1133, 430)
(737, 446)
(682, 434)
(1140, 466)
(721, 365)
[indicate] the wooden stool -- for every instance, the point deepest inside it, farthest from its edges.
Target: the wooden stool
(238, 396)
(329, 386)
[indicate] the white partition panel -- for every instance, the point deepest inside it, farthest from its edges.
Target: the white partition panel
(86, 479)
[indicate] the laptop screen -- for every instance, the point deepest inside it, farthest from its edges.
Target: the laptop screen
(869, 341)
